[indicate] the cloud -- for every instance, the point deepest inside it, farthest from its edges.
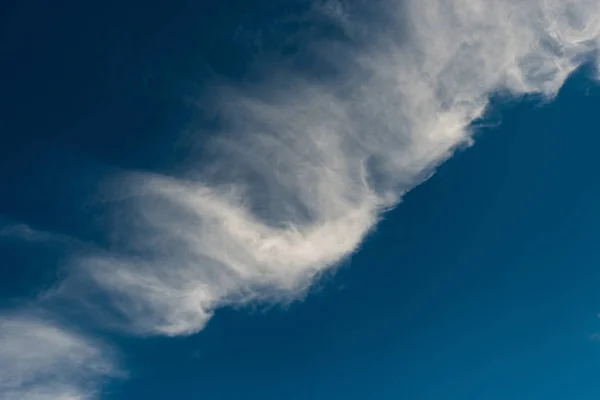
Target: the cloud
(305, 164)
(40, 360)
(26, 233)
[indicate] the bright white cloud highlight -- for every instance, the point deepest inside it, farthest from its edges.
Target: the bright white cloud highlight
(305, 165)
(41, 361)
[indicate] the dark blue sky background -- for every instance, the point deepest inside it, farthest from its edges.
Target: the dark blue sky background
(483, 284)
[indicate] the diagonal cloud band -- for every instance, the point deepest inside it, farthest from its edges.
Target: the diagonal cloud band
(304, 166)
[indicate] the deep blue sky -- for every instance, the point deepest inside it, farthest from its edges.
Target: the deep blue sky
(483, 284)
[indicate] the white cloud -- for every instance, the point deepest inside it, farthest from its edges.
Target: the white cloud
(40, 360)
(305, 165)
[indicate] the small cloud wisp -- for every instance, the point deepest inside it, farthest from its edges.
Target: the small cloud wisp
(40, 360)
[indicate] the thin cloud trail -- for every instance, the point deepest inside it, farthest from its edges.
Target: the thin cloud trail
(41, 360)
(304, 166)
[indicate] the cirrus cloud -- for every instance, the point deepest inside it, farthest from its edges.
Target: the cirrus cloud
(304, 166)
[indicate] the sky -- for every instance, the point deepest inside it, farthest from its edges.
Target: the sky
(299, 199)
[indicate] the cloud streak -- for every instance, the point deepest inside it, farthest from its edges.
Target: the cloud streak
(303, 166)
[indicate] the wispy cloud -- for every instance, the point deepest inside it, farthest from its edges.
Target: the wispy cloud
(24, 232)
(304, 165)
(40, 360)
(299, 173)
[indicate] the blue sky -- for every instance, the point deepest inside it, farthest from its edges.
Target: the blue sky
(205, 200)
